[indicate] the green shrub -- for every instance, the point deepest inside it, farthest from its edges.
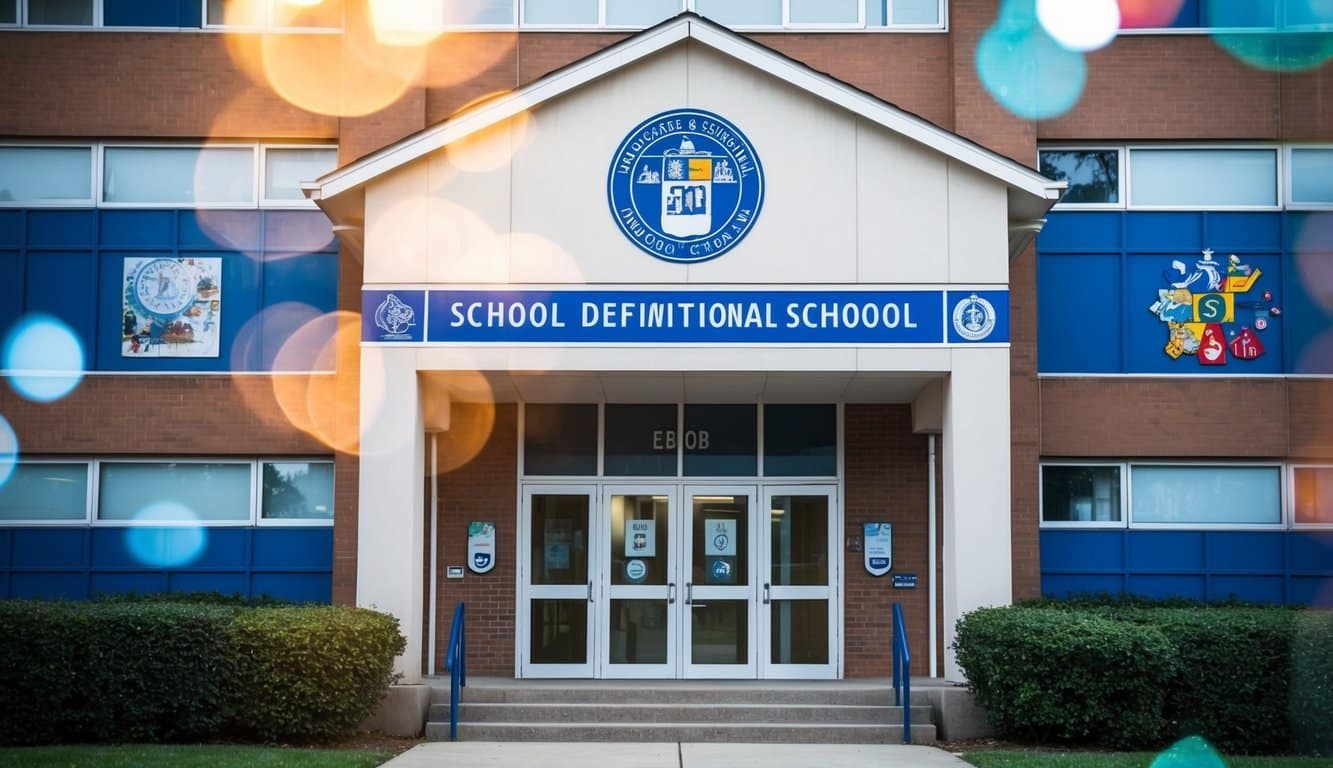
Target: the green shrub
(233, 600)
(1058, 676)
(145, 670)
(1312, 683)
(311, 672)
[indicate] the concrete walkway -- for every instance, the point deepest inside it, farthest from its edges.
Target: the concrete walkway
(483, 754)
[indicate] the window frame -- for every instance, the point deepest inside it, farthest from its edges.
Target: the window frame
(22, 19)
(96, 512)
(1122, 160)
(1120, 524)
(89, 476)
(1289, 481)
(267, 25)
(305, 203)
(17, 23)
(1288, 185)
(289, 522)
(94, 176)
(1128, 176)
(255, 182)
(519, 7)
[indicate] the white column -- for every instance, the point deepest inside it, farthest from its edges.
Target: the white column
(978, 565)
(390, 542)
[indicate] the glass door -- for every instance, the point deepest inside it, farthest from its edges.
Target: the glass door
(798, 620)
(558, 577)
(638, 621)
(720, 585)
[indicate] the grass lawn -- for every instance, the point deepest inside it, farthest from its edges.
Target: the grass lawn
(1017, 759)
(177, 756)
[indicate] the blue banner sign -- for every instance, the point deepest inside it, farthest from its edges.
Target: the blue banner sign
(924, 317)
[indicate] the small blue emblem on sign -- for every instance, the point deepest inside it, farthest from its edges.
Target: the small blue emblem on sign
(904, 581)
(397, 315)
(394, 317)
(636, 571)
(721, 570)
(973, 318)
(481, 561)
(685, 186)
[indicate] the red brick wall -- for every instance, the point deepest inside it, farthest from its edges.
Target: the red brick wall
(886, 480)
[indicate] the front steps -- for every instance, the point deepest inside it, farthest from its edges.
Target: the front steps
(819, 712)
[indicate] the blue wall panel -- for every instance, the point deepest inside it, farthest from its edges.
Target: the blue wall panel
(1164, 232)
(11, 228)
(1292, 567)
(151, 13)
(11, 289)
(61, 283)
(221, 230)
(1081, 231)
(1244, 232)
(294, 563)
(62, 228)
(153, 230)
(1080, 323)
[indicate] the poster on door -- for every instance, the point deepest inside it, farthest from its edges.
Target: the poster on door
(720, 537)
(558, 535)
(640, 538)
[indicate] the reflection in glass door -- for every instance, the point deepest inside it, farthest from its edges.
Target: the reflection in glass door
(719, 600)
(797, 635)
(559, 578)
(638, 617)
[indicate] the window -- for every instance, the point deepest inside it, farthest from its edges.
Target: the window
(747, 13)
(1311, 171)
(9, 12)
(774, 14)
(1206, 495)
(286, 167)
(640, 13)
(560, 440)
(480, 13)
(36, 175)
(174, 492)
(561, 12)
(1080, 494)
(65, 13)
(1312, 495)
(800, 440)
(296, 490)
(1093, 174)
(1228, 14)
(720, 441)
(641, 440)
(44, 492)
(202, 176)
(276, 14)
(1203, 178)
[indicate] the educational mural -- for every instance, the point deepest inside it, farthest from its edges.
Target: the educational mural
(172, 307)
(1214, 311)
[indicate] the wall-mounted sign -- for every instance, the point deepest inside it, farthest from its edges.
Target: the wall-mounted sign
(636, 571)
(904, 581)
(689, 316)
(172, 307)
(719, 537)
(480, 546)
(685, 186)
(878, 547)
(640, 538)
(453, 572)
(1211, 309)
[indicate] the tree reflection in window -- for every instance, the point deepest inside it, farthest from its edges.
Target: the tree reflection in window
(298, 490)
(1093, 175)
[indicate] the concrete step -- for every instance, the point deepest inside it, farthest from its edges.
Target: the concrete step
(678, 693)
(786, 733)
(653, 712)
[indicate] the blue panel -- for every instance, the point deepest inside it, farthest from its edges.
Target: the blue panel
(1311, 590)
(240, 301)
(143, 582)
(1311, 551)
(302, 587)
(145, 13)
(1244, 231)
(1068, 585)
(1080, 231)
(226, 583)
(1188, 16)
(223, 548)
(11, 228)
(110, 549)
(1307, 311)
(220, 230)
(62, 229)
(50, 547)
(280, 548)
(1164, 232)
(49, 586)
(1189, 587)
(1251, 589)
(298, 231)
(1165, 550)
(138, 229)
(309, 279)
(64, 284)
(1081, 551)
(5, 539)
(1078, 322)
(11, 289)
(1242, 551)
(1147, 333)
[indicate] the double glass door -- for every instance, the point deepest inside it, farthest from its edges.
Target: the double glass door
(690, 581)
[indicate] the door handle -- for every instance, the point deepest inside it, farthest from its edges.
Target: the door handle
(590, 591)
(671, 593)
(689, 592)
(766, 596)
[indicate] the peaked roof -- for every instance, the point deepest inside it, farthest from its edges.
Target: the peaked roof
(690, 26)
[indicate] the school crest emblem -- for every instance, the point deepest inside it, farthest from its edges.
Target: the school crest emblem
(685, 186)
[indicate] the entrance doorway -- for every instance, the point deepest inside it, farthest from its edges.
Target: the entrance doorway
(667, 580)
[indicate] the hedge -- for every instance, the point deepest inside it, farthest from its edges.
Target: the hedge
(162, 671)
(1250, 679)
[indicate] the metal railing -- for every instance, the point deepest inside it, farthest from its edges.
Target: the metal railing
(456, 663)
(902, 675)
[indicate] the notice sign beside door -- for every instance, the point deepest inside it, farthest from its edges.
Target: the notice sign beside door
(480, 546)
(640, 538)
(878, 548)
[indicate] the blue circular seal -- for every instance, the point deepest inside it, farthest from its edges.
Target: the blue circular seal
(685, 186)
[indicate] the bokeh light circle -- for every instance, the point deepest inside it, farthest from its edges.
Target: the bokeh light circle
(177, 541)
(44, 357)
(459, 408)
(1148, 14)
(1080, 25)
(1025, 70)
(1189, 752)
(9, 451)
(1278, 51)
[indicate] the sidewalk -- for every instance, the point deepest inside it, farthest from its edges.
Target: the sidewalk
(482, 754)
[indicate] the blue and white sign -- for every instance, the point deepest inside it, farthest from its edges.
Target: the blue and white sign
(393, 315)
(636, 571)
(685, 186)
(480, 546)
(904, 581)
(978, 316)
(878, 547)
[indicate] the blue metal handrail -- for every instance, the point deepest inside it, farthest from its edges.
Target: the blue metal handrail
(456, 663)
(902, 676)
